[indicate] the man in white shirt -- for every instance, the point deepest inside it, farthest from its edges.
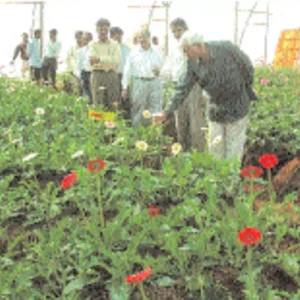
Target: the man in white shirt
(192, 109)
(50, 62)
(116, 34)
(72, 63)
(84, 66)
(34, 54)
(143, 66)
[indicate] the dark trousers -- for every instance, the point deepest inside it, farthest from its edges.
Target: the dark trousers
(49, 67)
(85, 78)
(35, 74)
(105, 89)
(125, 104)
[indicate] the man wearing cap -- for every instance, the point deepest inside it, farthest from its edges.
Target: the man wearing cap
(226, 74)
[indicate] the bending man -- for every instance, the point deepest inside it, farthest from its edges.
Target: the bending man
(226, 74)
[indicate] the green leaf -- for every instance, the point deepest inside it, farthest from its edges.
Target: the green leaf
(290, 264)
(119, 292)
(185, 247)
(76, 284)
(165, 281)
(54, 210)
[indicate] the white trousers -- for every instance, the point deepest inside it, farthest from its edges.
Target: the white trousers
(227, 140)
(146, 95)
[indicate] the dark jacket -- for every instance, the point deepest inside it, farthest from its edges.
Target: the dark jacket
(21, 48)
(227, 76)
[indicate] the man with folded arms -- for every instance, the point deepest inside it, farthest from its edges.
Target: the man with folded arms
(143, 66)
(105, 58)
(226, 74)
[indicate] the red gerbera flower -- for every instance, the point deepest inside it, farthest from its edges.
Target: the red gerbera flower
(96, 165)
(251, 172)
(268, 161)
(249, 236)
(68, 180)
(153, 211)
(139, 276)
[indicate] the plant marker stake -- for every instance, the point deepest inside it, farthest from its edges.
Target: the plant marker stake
(100, 202)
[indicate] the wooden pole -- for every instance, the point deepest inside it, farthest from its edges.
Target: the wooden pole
(167, 30)
(42, 27)
(33, 21)
(267, 32)
(236, 23)
(18, 2)
(247, 22)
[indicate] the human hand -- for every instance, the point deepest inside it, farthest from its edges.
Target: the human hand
(158, 118)
(94, 60)
(124, 94)
(155, 70)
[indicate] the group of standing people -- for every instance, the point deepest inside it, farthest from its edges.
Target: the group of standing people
(33, 64)
(216, 74)
(116, 76)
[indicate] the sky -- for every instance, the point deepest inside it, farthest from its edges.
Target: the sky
(214, 19)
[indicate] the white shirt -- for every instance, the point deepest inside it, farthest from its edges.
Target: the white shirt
(140, 63)
(83, 61)
(175, 67)
(72, 59)
(53, 49)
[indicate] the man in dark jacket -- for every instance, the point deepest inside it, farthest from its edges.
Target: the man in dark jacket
(225, 73)
(21, 49)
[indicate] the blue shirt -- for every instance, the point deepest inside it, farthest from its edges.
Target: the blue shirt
(125, 50)
(33, 50)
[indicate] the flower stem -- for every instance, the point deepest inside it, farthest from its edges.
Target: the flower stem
(100, 203)
(144, 297)
(251, 197)
(270, 186)
(251, 282)
(141, 157)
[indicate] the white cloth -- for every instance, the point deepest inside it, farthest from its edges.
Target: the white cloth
(140, 63)
(83, 61)
(53, 49)
(175, 66)
(125, 51)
